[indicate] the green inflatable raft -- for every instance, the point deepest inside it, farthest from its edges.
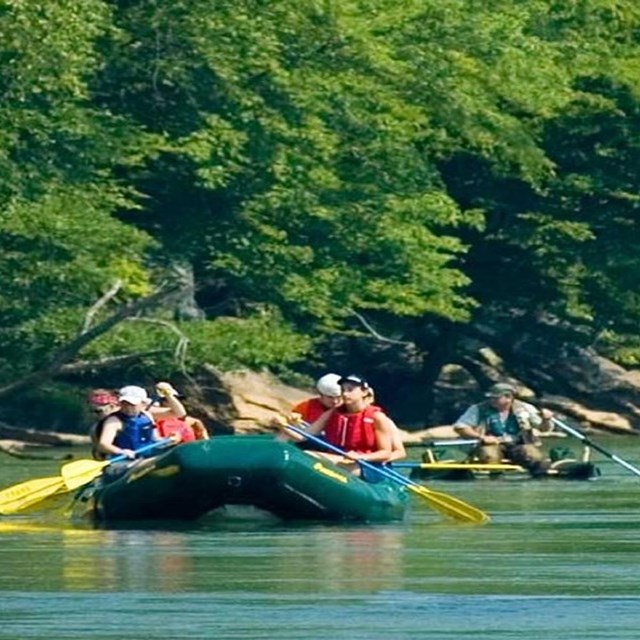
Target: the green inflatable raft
(201, 477)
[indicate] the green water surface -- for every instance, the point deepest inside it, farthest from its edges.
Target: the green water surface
(558, 560)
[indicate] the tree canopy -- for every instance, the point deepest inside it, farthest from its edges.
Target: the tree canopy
(323, 171)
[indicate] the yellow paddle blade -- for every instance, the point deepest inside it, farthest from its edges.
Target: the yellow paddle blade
(24, 495)
(80, 472)
(449, 506)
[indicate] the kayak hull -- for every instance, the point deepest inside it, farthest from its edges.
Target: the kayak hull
(562, 470)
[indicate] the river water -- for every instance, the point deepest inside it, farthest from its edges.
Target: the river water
(558, 560)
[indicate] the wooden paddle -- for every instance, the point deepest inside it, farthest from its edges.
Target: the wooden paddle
(21, 496)
(445, 504)
(592, 444)
(80, 472)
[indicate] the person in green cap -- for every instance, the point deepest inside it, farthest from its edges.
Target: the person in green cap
(505, 428)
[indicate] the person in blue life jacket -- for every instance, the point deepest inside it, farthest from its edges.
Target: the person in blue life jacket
(507, 429)
(132, 426)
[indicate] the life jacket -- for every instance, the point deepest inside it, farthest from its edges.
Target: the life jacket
(136, 431)
(352, 431)
(169, 426)
(517, 424)
(310, 409)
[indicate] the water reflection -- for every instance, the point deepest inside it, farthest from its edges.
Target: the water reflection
(353, 558)
(283, 558)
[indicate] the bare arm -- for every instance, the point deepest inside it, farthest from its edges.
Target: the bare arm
(547, 420)
(109, 432)
(397, 446)
(467, 431)
(174, 409)
(315, 428)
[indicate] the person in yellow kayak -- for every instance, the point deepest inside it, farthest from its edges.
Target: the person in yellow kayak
(506, 429)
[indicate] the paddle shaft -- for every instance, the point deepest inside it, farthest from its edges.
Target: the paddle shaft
(459, 442)
(471, 466)
(147, 447)
(578, 434)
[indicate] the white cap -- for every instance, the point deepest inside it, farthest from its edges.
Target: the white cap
(328, 385)
(133, 395)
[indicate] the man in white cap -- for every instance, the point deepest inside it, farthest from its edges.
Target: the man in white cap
(133, 426)
(505, 428)
(330, 397)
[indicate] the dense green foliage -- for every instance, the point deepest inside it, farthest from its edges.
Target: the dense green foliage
(419, 164)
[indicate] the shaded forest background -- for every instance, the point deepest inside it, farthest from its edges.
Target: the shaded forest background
(433, 194)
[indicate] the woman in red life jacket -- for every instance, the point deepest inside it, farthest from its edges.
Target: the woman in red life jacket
(329, 397)
(359, 428)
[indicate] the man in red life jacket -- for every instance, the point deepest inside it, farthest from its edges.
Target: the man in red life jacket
(359, 428)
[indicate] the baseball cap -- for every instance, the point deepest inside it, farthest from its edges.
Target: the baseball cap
(501, 389)
(133, 395)
(354, 379)
(329, 385)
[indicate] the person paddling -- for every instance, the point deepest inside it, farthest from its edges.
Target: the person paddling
(132, 426)
(329, 397)
(358, 427)
(505, 427)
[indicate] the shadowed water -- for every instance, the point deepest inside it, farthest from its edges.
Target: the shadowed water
(558, 560)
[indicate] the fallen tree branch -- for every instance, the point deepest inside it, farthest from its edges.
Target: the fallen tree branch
(18, 449)
(82, 366)
(374, 333)
(69, 350)
(101, 302)
(42, 438)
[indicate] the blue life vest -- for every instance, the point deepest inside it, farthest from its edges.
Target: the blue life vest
(136, 432)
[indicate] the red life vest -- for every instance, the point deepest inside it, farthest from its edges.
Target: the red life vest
(168, 426)
(310, 409)
(352, 431)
